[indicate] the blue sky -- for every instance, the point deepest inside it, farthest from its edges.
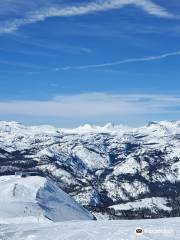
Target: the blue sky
(67, 63)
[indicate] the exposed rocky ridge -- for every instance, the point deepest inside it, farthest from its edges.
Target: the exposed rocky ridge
(102, 167)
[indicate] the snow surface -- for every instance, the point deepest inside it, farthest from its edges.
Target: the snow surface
(159, 229)
(36, 199)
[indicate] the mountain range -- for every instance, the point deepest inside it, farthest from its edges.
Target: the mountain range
(113, 171)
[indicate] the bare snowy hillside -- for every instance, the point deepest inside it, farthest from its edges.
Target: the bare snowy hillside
(119, 171)
(36, 200)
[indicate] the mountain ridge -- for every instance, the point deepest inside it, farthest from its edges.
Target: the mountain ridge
(36, 199)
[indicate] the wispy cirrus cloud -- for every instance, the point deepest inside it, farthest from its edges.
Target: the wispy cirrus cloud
(125, 61)
(90, 66)
(61, 10)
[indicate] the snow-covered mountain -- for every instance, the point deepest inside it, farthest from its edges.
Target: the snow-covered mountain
(116, 170)
(36, 200)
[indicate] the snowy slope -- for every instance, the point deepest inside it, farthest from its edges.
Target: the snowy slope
(36, 199)
(159, 229)
(101, 166)
(152, 204)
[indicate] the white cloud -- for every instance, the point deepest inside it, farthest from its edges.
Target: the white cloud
(97, 6)
(93, 106)
(130, 60)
